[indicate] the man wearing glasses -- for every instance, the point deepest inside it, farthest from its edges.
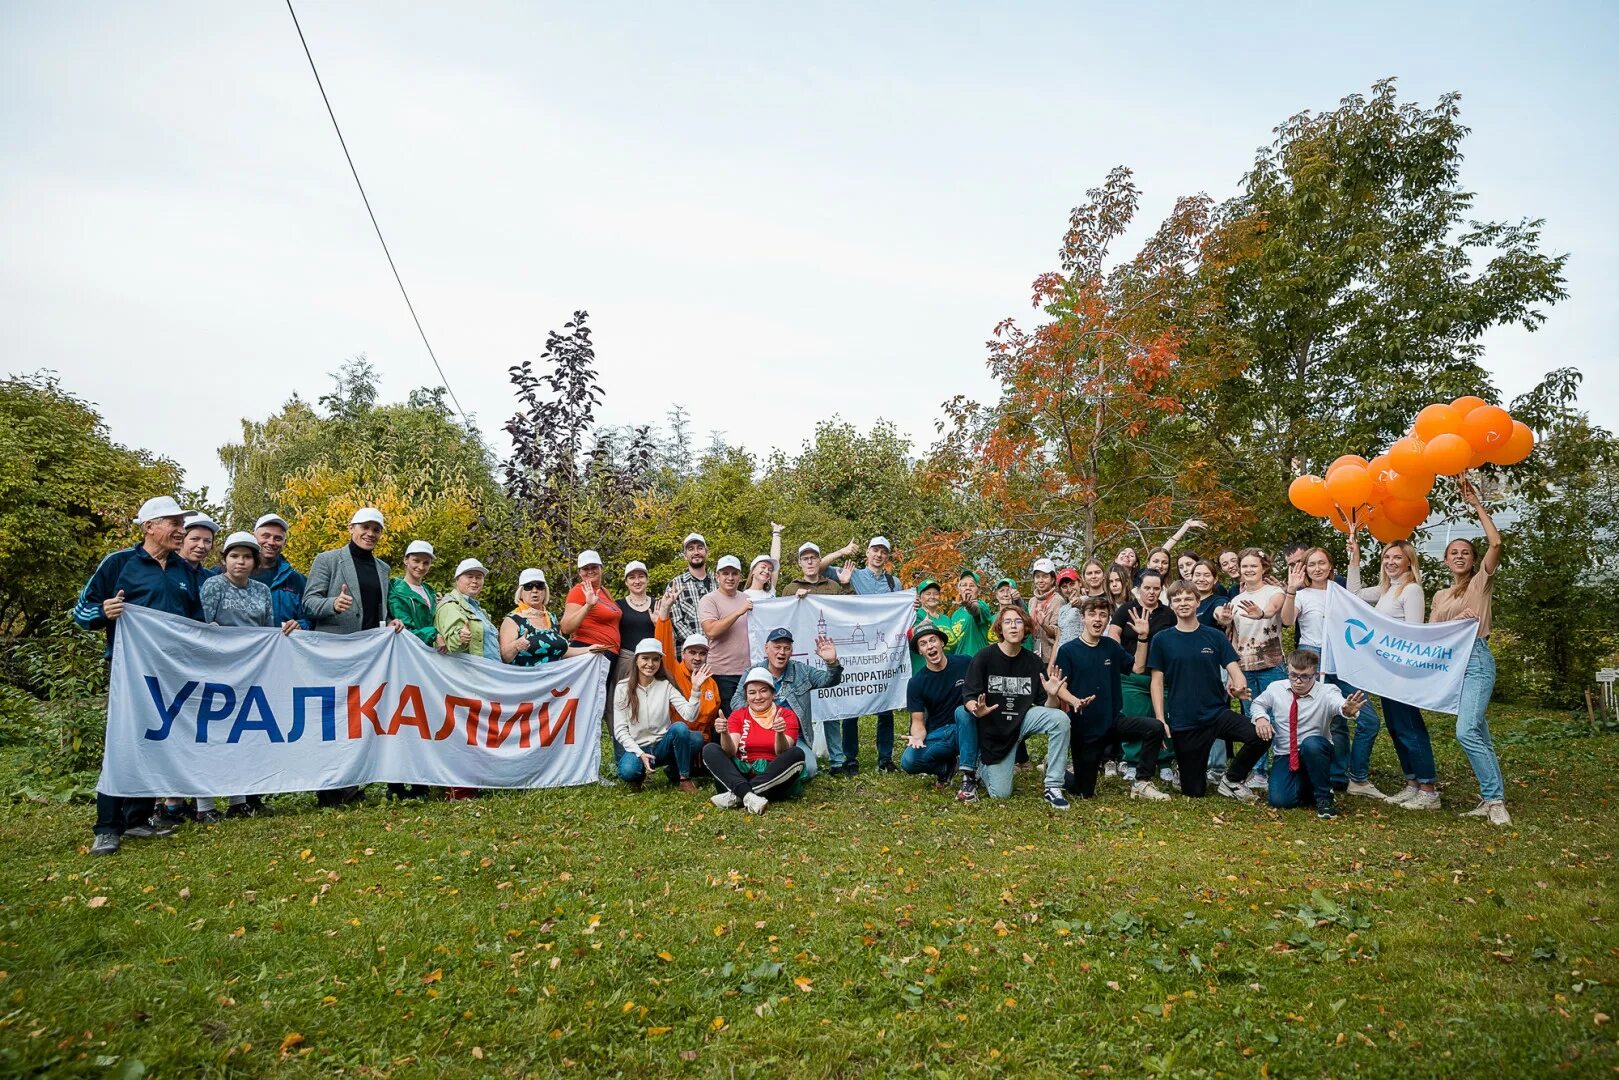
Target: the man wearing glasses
(1297, 715)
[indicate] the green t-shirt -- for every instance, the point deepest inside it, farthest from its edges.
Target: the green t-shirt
(971, 628)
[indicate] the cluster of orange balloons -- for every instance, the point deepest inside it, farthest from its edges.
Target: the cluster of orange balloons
(1388, 495)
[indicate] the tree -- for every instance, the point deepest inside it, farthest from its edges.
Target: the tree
(1085, 446)
(1557, 600)
(68, 495)
(1353, 288)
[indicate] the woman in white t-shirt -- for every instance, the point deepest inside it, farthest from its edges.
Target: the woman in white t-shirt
(1398, 594)
(1306, 608)
(1253, 620)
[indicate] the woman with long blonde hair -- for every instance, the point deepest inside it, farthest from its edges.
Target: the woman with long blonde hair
(1398, 594)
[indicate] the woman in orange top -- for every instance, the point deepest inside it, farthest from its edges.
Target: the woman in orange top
(692, 657)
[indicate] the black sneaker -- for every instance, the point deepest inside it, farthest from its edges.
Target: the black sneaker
(106, 844)
(173, 816)
(887, 766)
(968, 791)
(148, 829)
(209, 817)
(256, 806)
(1326, 811)
(1056, 799)
(238, 810)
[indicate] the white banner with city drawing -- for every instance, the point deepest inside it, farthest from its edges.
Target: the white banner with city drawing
(870, 635)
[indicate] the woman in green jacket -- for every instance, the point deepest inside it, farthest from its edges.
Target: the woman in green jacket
(411, 599)
(464, 627)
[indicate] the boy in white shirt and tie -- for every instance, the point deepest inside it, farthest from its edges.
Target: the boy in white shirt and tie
(1296, 715)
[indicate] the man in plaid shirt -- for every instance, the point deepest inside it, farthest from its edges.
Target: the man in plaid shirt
(690, 587)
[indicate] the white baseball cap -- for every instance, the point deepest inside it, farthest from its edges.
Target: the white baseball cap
(419, 547)
(466, 565)
(729, 562)
(1044, 566)
(757, 559)
(633, 565)
(694, 538)
(809, 545)
(530, 576)
(271, 519)
(648, 646)
(589, 558)
(240, 539)
(367, 515)
(760, 674)
(697, 640)
(880, 541)
(202, 521)
(161, 507)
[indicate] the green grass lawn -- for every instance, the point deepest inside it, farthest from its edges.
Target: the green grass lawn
(876, 927)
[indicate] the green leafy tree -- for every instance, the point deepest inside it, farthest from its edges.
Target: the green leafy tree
(68, 495)
(1354, 287)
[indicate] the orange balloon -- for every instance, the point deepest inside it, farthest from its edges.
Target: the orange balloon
(1436, 420)
(1516, 447)
(1407, 513)
(1385, 530)
(1465, 405)
(1487, 427)
(1406, 486)
(1340, 462)
(1336, 519)
(1381, 472)
(1448, 455)
(1406, 458)
(1309, 494)
(1350, 486)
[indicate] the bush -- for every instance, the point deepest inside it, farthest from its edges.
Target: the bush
(53, 712)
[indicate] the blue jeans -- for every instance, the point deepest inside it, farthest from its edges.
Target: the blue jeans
(1353, 760)
(1288, 788)
(885, 738)
(1039, 720)
(938, 752)
(1258, 680)
(1411, 742)
(674, 750)
(1473, 729)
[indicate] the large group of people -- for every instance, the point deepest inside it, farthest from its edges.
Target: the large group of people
(1169, 671)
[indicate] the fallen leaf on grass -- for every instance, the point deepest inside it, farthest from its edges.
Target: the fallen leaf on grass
(688, 1055)
(477, 1052)
(290, 1040)
(655, 1032)
(96, 901)
(436, 975)
(803, 982)
(666, 956)
(718, 1022)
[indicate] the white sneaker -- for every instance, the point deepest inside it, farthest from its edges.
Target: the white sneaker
(1400, 798)
(1110, 770)
(725, 800)
(1258, 782)
(1236, 791)
(755, 803)
(1366, 788)
(1422, 800)
(1494, 809)
(1127, 773)
(1169, 776)
(1143, 789)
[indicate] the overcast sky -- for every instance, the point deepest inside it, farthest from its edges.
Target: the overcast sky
(840, 198)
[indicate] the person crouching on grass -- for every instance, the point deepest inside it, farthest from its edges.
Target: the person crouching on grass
(755, 758)
(1297, 715)
(1000, 693)
(1188, 697)
(647, 738)
(1091, 667)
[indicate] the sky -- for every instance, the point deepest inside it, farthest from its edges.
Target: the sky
(773, 215)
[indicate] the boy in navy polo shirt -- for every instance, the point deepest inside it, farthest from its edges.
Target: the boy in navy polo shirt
(1187, 696)
(1091, 667)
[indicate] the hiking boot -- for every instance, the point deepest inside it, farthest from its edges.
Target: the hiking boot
(725, 800)
(1233, 790)
(686, 786)
(1056, 799)
(755, 804)
(106, 843)
(1366, 788)
(1143, 789)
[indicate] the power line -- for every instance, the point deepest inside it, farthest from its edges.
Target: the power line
(363, 198)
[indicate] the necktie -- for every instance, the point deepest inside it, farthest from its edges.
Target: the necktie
(1293, 735)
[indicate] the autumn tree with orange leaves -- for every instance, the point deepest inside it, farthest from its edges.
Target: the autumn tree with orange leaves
(1087, 449)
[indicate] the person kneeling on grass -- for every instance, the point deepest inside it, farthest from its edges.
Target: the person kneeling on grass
(1000, 690)
(940, 724)
(647, 738)
(1297, 716)
(756, 757)
(1186, 661)
(1092, 667)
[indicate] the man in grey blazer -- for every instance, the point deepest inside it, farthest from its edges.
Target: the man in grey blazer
(347, 592)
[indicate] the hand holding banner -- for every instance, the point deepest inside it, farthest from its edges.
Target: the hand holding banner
(1419, 664)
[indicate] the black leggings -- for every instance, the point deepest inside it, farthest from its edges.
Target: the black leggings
(1088, 754)
(773, 783)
